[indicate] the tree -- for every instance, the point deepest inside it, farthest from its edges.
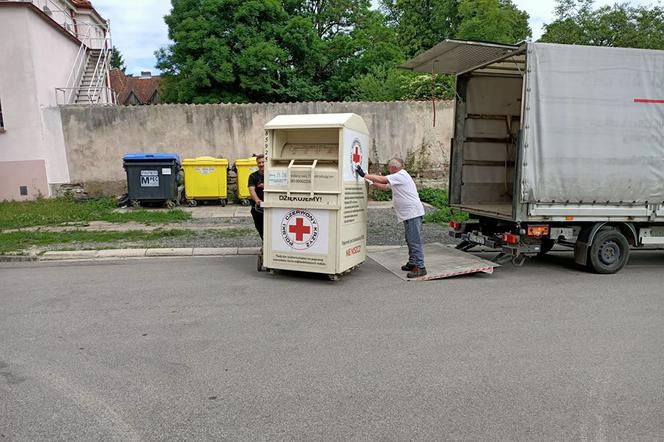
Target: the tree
(498, 21)
(266, 50)
(117, 62)
(421, 24)
(620, 25)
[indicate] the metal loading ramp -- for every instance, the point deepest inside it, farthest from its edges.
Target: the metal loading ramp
(442, 261)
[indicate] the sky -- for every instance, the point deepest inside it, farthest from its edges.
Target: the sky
(138, 28)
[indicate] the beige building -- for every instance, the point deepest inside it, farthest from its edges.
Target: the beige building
(54, 52)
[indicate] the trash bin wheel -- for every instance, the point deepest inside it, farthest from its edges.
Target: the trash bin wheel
(192, 203)
(223, 202)
(245, 202)
(170, 204)
(334, 276)
(259, 263)
(135, 203)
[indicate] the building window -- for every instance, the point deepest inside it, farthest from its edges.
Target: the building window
(2, 123)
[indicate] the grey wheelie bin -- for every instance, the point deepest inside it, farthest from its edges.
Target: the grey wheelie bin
(153, 177)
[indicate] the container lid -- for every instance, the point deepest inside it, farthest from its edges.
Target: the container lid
(318, 121)
(205, 160)
(151, 157)
(246, 161)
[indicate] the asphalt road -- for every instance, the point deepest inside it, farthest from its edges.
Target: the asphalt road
(209, 349)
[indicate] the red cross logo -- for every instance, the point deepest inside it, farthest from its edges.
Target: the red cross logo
(356, 155)
(299, 229)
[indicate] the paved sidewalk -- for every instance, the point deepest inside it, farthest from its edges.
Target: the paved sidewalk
(87, 255)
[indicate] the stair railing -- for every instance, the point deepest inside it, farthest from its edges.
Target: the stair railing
(99, 75)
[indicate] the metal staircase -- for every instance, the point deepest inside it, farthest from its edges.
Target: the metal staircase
(89, 80)
(87, 92)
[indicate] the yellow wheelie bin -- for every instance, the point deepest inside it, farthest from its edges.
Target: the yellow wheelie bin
(205, 179)
(244, 168)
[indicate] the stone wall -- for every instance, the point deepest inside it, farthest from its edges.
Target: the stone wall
(96, 137)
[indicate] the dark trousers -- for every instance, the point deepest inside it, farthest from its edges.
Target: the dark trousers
(257, 215)
(413, 229)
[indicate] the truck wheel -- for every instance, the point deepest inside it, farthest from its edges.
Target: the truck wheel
(609, 252)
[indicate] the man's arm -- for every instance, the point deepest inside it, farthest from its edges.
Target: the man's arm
(252, 191)
(381, 186)
(377, 179)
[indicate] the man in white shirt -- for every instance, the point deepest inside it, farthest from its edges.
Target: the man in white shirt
(409, 210)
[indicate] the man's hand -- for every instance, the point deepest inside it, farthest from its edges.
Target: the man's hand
(359, 171)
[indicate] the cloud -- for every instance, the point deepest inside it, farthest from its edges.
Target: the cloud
(137, 29)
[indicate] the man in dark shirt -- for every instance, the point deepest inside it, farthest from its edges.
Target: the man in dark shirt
(256, 191)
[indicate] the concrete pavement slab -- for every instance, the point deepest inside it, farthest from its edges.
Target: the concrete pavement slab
(175, 251)
(215, 251)
(121, 253)
(248, 250)
(69, 254)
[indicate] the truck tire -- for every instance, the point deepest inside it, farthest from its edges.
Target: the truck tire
(609, 252)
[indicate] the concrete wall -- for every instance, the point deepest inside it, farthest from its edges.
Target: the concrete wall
(96, 138)
(36, 61)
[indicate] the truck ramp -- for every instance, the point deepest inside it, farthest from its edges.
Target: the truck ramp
(442, 261)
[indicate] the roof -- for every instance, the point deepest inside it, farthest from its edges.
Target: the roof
(143, 88)
(85, 4)
(351, 121)
(455, 56)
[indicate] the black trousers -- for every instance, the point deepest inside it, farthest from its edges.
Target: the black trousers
(258, 220)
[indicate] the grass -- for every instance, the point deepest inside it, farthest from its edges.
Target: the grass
(56, 211)
(17, 241)
(443, 213)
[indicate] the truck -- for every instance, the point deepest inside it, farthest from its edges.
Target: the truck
(555, 144)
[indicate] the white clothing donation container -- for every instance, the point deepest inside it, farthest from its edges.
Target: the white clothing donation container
(315, 203)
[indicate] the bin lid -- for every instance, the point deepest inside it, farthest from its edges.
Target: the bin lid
(151, 157)
(204, 161)
(318, 121)
(245, 161)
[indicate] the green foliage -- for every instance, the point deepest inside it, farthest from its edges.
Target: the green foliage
(55, 211)
(443, 213)
(444, 216)
(498, 21)
(16, 241)
(426, 87)
(390, 84)
(422, 24)
(381, 83)
(619, 25)
(436, 197)
(117, 62)
(270, 50)
(381, 195)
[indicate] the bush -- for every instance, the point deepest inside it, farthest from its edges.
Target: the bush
(443, 213)
(381, 195)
